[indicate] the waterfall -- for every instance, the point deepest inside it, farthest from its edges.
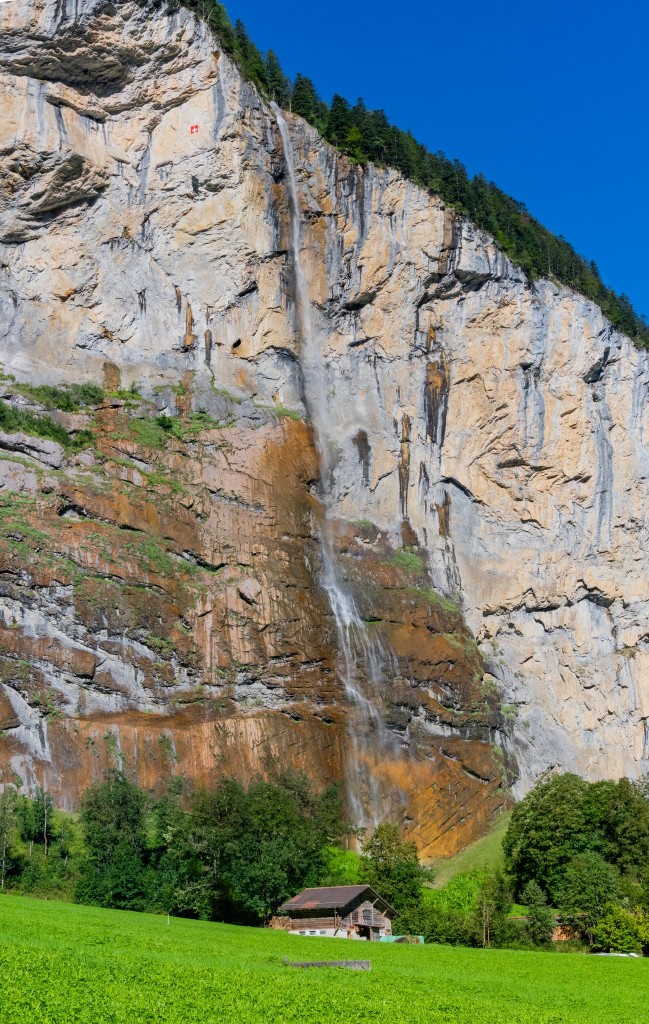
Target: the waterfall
(366, 661)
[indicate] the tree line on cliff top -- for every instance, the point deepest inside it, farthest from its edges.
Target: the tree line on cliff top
(574, 849)
(367, 136)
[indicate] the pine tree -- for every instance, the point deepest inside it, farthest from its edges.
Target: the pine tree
(279, 86)
(376, 136)
(304, 99)
(250, 59)
(220, 22)
(339, 122)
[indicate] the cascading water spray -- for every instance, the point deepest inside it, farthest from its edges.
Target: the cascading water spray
(361, 654)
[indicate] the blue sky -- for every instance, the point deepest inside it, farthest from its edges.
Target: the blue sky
(548, 100)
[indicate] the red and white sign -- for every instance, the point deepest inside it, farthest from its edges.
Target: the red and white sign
(193, 130)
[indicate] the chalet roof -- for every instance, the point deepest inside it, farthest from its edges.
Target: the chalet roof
(333, 897)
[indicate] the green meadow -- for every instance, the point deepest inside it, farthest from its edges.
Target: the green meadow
(485, 854)
(66, 964)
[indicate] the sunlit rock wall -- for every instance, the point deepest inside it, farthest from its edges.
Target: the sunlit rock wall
(492, 437)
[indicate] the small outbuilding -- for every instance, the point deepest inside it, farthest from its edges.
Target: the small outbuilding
(338, 911)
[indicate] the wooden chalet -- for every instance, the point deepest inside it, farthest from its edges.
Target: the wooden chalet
(340, 911)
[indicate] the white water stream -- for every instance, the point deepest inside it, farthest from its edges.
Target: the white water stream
(366, 660)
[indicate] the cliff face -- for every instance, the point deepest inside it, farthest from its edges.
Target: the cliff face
(160, 592)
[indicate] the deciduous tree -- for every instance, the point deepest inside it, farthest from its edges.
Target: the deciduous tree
(391, 866)
(113, 822)
(8, 828)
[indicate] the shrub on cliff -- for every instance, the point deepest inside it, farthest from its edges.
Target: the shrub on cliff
(14, 420)
(67, 397)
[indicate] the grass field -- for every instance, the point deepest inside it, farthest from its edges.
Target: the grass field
(62, 964)
(484, 853)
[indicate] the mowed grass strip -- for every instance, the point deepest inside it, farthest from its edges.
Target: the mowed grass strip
(64, 964)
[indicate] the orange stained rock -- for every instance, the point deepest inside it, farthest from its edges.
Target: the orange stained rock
(186, 582)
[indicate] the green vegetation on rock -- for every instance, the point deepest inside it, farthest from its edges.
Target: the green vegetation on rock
(446, 604)
(13, 420)
(283, 410)
(409, 560)
(155, 432)
(66, 397)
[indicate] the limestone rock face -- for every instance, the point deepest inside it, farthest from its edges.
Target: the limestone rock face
(160, 597)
